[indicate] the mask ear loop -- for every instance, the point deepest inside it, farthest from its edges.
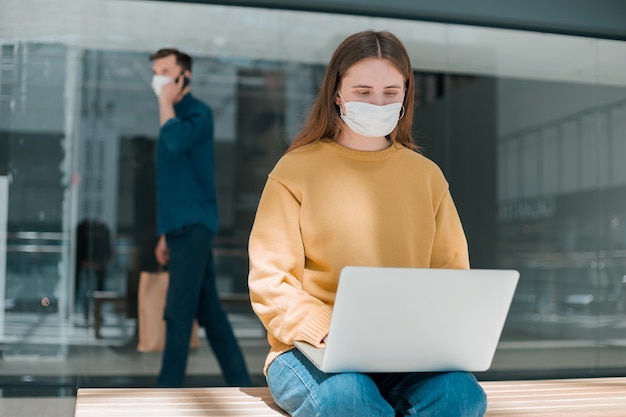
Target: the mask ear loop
(339, 105)
(341, 113)
(401, 113)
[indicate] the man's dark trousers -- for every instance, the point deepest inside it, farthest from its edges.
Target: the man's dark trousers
(192, 293)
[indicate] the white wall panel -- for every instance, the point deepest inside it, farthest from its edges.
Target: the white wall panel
(529, 160)
(570, 151)
(550, 159)
(617, 135)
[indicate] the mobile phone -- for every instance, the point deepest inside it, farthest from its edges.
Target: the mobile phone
(186, 80)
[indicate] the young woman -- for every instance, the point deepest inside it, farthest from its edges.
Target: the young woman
(353, 190)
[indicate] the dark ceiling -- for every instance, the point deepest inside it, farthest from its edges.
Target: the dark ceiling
(590, 18)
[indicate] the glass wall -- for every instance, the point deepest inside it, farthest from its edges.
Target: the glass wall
(529, 129)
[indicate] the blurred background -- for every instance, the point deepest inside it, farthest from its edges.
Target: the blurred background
(523, 107)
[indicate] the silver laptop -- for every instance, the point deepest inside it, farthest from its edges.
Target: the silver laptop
(415, 320)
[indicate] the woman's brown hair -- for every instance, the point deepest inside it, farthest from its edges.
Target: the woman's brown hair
(324, 120)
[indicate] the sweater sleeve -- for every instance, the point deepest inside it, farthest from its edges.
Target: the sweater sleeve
(277, 264)
(450, 248)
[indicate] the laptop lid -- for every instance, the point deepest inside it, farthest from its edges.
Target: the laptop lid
(416, 320)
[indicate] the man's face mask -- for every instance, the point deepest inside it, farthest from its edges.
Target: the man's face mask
(371, 120)
(158, 81)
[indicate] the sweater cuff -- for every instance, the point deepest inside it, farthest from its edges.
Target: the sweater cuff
(315, 329)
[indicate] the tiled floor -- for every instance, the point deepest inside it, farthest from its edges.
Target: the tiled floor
(44, 360)
(39, 407)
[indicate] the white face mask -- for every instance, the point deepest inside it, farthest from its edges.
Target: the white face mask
(158, 81)
(370, 120)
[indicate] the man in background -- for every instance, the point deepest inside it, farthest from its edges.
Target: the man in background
(187, 223)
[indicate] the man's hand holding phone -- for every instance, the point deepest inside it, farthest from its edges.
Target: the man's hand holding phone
(171, 91)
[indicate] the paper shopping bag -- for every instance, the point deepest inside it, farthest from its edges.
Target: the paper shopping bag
(150, 306)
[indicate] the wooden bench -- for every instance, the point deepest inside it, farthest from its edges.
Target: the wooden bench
(585, 397)
(578, 397)
(235, 298)
(99, 299)
(120, 301)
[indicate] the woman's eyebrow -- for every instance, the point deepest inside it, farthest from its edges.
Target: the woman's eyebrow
(369, 86)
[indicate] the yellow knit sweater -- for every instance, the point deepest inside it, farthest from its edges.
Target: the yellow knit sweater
(326, 206)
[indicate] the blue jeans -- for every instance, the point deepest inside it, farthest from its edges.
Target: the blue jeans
(304, 391)
(192, 294)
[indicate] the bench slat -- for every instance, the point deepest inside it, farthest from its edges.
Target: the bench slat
(162, 402)
(584, 397)
(581, 397)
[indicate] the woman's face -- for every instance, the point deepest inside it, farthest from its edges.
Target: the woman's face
(372, 80)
